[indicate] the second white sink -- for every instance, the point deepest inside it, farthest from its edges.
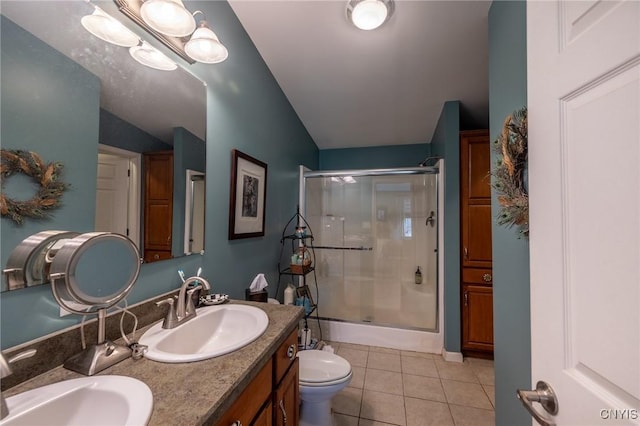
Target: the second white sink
(215, 331)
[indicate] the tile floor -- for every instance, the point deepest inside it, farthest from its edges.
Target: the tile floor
(392, 387)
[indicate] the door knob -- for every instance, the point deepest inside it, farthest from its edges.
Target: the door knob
(545, 396)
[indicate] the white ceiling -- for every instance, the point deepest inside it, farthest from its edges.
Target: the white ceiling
(354, 88)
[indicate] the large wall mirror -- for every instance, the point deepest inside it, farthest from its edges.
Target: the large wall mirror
(75, 99)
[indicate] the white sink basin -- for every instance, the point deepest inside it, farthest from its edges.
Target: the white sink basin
(215, 331)
(96, 400)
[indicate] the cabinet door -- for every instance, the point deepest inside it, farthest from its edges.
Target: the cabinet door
(286, 404)
(265, 416)
(158, 204)
(477, 317)
(475, 199)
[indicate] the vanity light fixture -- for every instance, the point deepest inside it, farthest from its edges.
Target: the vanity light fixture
(204, 45)
(106, 28)
(168, 17)
(369, 14)
(171, 23)
(148, 55)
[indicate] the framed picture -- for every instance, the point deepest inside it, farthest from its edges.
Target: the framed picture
(248, 196)
(304, 291)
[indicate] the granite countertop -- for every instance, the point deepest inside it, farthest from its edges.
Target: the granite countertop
(196, 392)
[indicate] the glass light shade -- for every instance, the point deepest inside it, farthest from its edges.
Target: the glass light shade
(152, 57)
(107, 28)
(205, 47)
(168, 17)
(369, 14)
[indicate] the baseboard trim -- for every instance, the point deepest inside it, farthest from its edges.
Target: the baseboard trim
(452, 356)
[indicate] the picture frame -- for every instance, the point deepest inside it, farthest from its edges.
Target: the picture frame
(248, 196)
(303, 291)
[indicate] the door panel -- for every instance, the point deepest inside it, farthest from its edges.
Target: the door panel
(585, 207)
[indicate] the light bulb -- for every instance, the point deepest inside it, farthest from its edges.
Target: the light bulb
(107, 28)
(369, 14)
(205, 47)
(150, 56)
(168, 17)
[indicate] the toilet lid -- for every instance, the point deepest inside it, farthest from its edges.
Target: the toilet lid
(322, 366)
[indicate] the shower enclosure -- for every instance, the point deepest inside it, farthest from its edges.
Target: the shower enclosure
(372, 230)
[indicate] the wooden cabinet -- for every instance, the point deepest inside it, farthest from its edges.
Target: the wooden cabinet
(158, 205)
(476, 243)
(273, 397)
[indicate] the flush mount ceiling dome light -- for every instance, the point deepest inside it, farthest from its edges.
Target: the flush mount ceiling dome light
(369, 14)
(205, 47)
(168, 17)
(106, 28)
(152, 57)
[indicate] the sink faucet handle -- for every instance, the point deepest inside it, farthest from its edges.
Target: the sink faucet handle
(5, 368)
(191, 307)
(171, 319)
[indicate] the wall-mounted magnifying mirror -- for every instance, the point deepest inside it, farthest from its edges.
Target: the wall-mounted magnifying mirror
(70, 96)
(89, 274)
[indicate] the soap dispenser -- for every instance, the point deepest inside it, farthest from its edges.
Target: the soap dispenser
(418, 276)
(288, 294)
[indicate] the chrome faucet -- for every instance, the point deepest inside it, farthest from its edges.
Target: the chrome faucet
(183, 309)
(5, 370)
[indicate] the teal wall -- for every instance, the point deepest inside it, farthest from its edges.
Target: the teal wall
(512, 334)
(446, 144)
(246, 110)
(65, 132)
(119, 133)
(378, 157)
(189, 152)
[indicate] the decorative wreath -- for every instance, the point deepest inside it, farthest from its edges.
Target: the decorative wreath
(45, 175)
(509, 179)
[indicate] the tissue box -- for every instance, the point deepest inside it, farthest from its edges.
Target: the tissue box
(256, 296)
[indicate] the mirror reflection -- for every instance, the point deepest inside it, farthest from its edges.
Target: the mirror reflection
(51, 75)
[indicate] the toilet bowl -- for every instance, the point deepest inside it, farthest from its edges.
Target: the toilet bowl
(322, 375)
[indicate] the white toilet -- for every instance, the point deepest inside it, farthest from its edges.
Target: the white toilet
(322, 375)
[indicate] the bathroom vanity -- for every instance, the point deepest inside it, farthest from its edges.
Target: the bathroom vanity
(258, 382)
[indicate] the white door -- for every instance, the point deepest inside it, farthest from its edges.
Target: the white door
(584, 160)
(112, 196)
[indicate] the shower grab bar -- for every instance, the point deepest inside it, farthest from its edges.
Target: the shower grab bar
(361, 248)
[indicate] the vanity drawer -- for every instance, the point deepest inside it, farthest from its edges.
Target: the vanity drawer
(285, 355)
(248, 404)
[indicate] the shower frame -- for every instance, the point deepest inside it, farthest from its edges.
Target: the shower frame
(419, 170)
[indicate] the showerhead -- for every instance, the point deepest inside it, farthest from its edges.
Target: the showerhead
(425, 162)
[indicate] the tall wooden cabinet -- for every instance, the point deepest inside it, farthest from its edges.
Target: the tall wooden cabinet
(476, 258)
(158, 205)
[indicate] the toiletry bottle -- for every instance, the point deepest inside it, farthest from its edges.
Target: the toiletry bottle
(288, 295)
(418, 276)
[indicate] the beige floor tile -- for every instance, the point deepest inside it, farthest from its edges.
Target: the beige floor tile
(417, 354)
(347, 401)
(383, 381)
(455, 371)
(384, 350)
(491, 393)
(485, 375)
(479, 362)
(334, 345)
(383, 407)
(355, 357)
(468, 416)
(427, 413)
(384, 361)
(342, 420)
(467, 394)
(367, 422)
(419, 366)
(423, 388)
(357, 380)
(354, 346)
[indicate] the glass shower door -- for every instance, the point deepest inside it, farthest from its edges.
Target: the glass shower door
(372, 233)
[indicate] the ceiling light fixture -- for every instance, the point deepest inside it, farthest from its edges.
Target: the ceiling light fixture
(171, 23)
(204, 45)
(152, 57)
(369, 14)
(105, 27)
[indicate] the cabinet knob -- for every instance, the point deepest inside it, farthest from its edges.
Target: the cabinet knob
(291, 351)
(236, 423)
(487, 278)
(156, 256)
